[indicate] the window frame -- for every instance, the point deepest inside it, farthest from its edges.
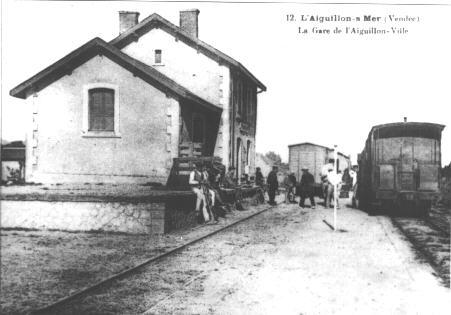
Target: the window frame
(99, 133)
(159, 53)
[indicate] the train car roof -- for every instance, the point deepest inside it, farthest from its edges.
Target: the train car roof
(408, 129)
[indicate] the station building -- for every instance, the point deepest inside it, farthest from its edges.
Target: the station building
(121, 111)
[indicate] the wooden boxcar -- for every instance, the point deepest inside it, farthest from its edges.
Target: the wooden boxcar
(399, 167)
(313, 156)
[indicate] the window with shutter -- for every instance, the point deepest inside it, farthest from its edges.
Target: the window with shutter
(101, 109)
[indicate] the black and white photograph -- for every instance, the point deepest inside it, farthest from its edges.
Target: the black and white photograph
(225, 157)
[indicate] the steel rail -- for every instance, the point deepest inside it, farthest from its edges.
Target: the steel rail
(422, 251)
(107, 281)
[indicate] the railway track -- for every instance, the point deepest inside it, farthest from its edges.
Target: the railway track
(128, 272)
(439, 226)
(431, 239)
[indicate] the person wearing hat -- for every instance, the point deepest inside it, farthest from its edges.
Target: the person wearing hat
(307, 189)
(325, 170)
(334, 180)
(208, 190)
(195, 180)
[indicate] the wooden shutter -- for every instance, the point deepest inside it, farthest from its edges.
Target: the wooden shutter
(101, 109)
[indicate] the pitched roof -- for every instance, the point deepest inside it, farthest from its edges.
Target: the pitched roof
(317, 145)
(309, 143)
(95, 47)
(156, 21)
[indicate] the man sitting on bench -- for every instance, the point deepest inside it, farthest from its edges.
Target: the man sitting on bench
(231, 183)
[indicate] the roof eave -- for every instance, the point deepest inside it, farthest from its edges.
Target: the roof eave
(95, 47)
(377, 127)
(61, 67)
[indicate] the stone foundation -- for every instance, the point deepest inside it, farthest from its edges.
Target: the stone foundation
(134, 218)
(84, 216)
(156, 213)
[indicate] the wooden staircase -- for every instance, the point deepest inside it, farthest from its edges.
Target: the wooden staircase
(191, 149)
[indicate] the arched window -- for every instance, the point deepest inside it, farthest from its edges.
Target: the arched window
(248, 153)
(239, 161)
(101, 109)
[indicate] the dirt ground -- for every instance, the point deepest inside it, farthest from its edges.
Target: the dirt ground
(285, 261)
(40, 267)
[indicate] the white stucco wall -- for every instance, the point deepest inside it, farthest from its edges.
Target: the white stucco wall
(180, 62)
(191, 69)
(148, 130)
(222, 148)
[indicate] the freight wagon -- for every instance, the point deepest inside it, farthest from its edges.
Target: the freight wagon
(399, 168)
(314, 157)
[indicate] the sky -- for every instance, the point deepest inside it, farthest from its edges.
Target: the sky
(327, 89)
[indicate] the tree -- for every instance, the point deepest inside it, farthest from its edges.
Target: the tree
(274, 157)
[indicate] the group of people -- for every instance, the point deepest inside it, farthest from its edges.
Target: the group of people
(272, 185)
(207, 184)
(329, 180)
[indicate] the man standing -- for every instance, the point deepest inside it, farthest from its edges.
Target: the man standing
(208, 191)
(324, 178)
(195, 180)
(307, 189)
(334, 179)
(273, 185)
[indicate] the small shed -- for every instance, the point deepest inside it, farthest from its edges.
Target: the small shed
(314, 157)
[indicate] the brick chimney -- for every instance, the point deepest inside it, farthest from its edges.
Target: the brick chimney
(189, 22)
(127, 20)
